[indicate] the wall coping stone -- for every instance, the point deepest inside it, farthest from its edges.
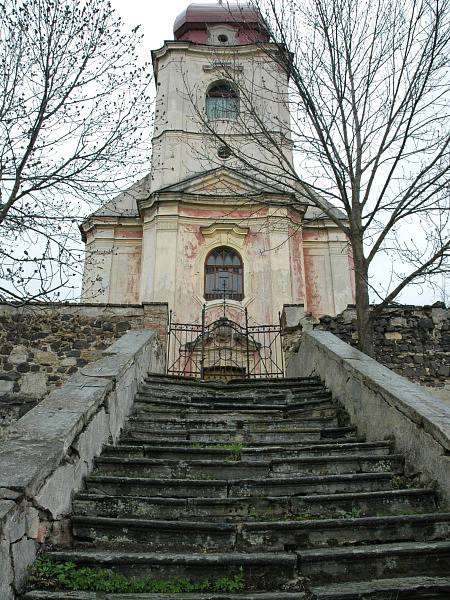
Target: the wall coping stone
(376, 396)
(420, 406)
(51, 448)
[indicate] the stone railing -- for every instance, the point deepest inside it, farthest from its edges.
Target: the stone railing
(51, 449)
(382, 404)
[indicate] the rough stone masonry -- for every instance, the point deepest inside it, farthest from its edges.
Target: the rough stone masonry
(42, 345)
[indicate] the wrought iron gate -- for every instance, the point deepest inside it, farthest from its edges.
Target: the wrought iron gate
(224, 349)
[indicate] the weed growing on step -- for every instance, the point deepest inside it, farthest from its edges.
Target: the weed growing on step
(354, 513)
(68, 576)
(234, 448)
(400, 482)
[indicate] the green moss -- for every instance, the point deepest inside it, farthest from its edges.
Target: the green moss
(68, 576)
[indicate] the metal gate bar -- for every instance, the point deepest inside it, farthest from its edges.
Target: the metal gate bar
(224, 349)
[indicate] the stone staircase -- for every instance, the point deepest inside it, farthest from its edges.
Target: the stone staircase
(264, 483)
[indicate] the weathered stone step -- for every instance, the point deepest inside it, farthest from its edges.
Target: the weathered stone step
(400, 588)
(221, 488)
(274, 422)
(201, 536)
(263, 571)
(165, 442)
(258, 508)
(46, 595)
(234, 411)
(151, 535)
(279, 401)
(310, 396)
(232, 469)
(226, 436)
(177, 452)
(233, 385)
(358, 563)
(344, 531)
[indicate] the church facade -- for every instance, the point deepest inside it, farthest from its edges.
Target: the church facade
(199, 228)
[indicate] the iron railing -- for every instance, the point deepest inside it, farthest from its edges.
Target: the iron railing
(224, 349)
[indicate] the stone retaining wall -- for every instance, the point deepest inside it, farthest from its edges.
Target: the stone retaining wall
(413, 341)
(382, 404)
(42, 345)
(51, 449)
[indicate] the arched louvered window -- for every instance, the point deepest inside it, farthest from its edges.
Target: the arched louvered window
(224, 273)
(222, 102)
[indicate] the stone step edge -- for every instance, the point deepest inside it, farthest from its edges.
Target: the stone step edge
(167, 442)
(372, 551)
(246, 430)
(46, 595)
(307, 524)
(117, 460)
(354, 590)
(244, 449)
(259, 482)
(105, 558)
(230, 499)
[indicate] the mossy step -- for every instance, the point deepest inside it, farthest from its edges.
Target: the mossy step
(246, 453)
(222, 488)
(227, 436)
(234, 468)
(46, 595)
(234, 383)
(257, 508)
(165, 442)
(376, 561)
(350, 530)
(163, 535)
(231, 422)
(401, 588)
(234, 411)
(263, 571)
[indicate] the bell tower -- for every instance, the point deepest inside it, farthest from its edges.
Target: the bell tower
(202, 225)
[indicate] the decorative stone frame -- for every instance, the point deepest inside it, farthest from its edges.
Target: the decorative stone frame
(217, 30)
(223, 234)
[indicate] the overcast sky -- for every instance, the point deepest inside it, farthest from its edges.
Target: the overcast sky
(156, 18)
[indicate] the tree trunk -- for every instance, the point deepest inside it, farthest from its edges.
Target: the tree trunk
(364, 321)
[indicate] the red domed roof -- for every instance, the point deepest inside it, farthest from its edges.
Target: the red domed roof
(198, 16)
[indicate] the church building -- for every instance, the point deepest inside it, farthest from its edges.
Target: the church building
(200, 227)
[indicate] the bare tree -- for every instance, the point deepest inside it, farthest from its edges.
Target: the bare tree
(369, 99)
(75, 113)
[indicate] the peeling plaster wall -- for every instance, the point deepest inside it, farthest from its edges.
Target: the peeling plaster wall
(181, 145)
(52, 448)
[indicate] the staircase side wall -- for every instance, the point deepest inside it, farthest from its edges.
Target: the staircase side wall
(52, 448)
(381, 404)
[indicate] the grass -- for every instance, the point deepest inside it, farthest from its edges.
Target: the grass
(67, 576)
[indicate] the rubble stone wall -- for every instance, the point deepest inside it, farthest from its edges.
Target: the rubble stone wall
(413, 341)
(42, 345)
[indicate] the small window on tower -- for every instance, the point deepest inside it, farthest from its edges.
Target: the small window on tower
(223, 39)
(222, 102)
(223, 152)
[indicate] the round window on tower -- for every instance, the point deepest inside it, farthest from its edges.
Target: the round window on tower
(223, 39)
(224, 152)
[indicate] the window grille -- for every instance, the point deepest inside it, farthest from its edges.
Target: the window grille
(224, 275)
(222, 103)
